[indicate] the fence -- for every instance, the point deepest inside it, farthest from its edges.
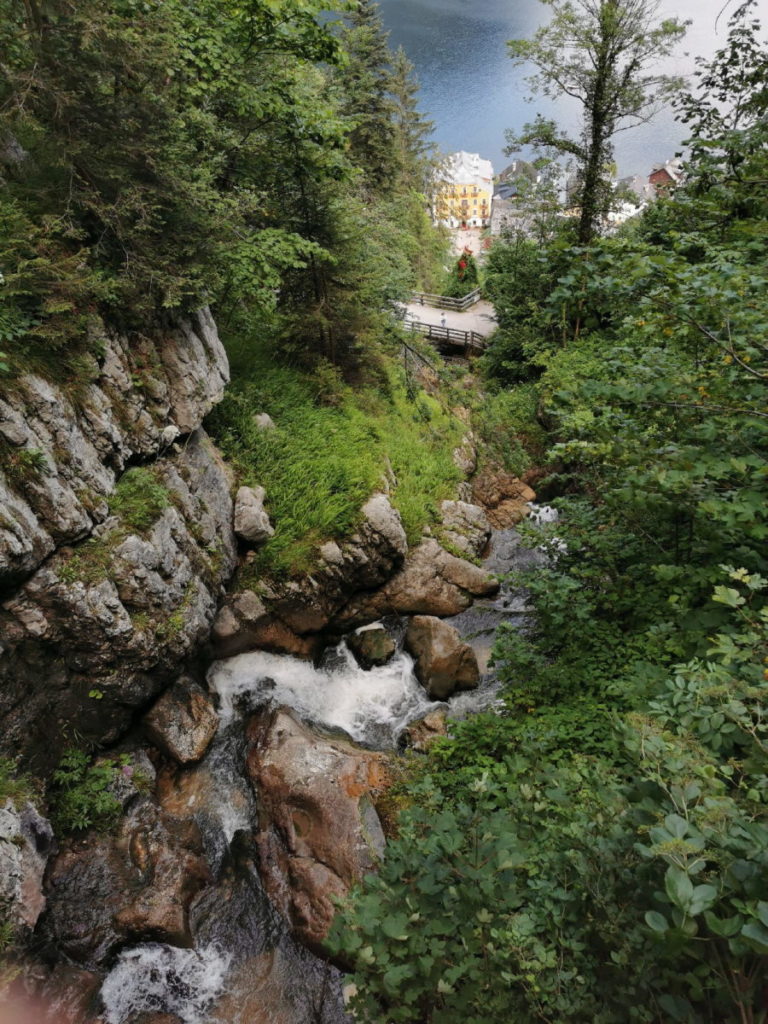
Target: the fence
(446, 302)
(448, 339)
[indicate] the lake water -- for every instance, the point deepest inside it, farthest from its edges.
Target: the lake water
(472, 91)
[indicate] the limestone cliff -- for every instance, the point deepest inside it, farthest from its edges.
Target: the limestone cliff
(102, 604)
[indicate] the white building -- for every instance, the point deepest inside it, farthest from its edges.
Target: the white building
(463, 191)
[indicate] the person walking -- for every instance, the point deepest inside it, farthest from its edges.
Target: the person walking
(442, 320)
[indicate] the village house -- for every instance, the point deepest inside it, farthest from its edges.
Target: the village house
(463, 192)
(664, 177)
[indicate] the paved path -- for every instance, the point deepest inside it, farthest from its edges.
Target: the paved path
(478, 318)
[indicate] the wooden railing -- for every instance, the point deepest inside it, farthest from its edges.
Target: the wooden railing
(446, 302)
(448, 339)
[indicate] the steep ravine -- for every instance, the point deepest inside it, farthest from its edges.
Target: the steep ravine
(248, 801)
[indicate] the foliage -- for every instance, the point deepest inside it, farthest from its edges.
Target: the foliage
(464, 276)
(139, 499)
(329, 450)
(81, 794)
(601, 53)
(13, 785)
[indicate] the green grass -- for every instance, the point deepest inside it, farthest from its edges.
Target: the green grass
(331, 449)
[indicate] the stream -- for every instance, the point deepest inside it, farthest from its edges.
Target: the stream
(245, 966)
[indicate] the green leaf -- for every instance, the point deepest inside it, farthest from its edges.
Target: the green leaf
(757, 935)
(679, 887)
(656, 921)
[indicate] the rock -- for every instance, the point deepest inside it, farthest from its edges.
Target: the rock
(365, 561)
(431, 582)
(251, 521)
(465, 456)
(73, 455)
(101, 628)
(244, 624)
(26, 839)
(319, 832)
(465, 527)
(372, 645)
(264, 421)
(503, 496)
(183, 722)
(420, 735)
(444, 663)
(137, 883)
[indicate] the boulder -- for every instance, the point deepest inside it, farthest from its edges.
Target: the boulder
(251, 522)
(264, 421)
(319, 832)
(370, 556)
(135, 884)
(26, 840)
(444, 663)
(372, 645)
(183, 722)
(432, 582)
(504, 497)
(465, 456)
(244, 624)
(420, 735)
(465, 527)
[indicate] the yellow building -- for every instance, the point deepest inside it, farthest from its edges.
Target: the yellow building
(463, 192)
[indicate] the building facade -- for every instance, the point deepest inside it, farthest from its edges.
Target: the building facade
(463, 192)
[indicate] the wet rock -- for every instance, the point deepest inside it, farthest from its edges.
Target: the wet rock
(503, 496)
(137, 883)
(251, 520)
(26, 839)
(372, 645)
(319, 832)
(432, 582)
(465, 527)
(444, 663)
(244, 624)
(154, 1018)
(365, 561)
(422, 734)
(102, 628)
(183, 722)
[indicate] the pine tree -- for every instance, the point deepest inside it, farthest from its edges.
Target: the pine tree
(414, 151)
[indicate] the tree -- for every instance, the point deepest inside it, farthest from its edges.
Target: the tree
(600, 53)
(414, 151)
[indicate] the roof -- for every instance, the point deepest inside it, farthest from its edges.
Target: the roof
(467, 169)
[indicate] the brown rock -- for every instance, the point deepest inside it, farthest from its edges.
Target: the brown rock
(422, 734)
(244, 624)
(503, 496)
(372, 645)
(183, 722)
(431, 582)
(444, 663)
(319, 832)
(137, 883)
(465, 527)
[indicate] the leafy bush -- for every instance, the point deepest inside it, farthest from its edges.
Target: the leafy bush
(81, 795)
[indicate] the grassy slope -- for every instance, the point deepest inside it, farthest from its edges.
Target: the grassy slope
(332, 447)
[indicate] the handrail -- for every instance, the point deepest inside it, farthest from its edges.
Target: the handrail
(446, 301)
(470, 341)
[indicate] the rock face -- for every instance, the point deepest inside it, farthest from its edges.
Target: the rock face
(111, 889)
(465, 527)
(283, 620)
(113, 618)
(251, 521)
(422, 734)
(431, 582)
(444, 663)
(60, 461)
(503, 496)
(372, 645)
(183, 722)
(26, 839)
(319, 832)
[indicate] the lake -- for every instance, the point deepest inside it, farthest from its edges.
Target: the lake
(472, 91)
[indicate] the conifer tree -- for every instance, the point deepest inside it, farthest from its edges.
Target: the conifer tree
(414, 151)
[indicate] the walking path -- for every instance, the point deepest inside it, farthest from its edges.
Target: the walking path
(480, 318)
